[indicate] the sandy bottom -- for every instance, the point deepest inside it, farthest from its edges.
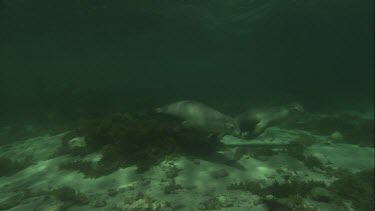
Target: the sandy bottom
(182, 183)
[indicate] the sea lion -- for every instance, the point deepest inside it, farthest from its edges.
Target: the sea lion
(254, 121)
(199, 115)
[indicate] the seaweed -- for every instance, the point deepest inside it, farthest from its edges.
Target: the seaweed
(292, 203)
(141, 201)
(354, 129)
(251, 186)
(322, 195)
(9, 167)
(293, 187)
(69, 195)
(172, 172)
(357, 188)
(312, 162)
(85, 167)
(141, 139)
(172, 187)
(16, 199)
(279, 190)
(220, 173)
(297, 150)
(211, 203)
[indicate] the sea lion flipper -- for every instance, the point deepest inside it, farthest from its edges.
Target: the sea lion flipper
(260, 127)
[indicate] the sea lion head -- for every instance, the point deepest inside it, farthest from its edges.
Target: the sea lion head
(233, 128)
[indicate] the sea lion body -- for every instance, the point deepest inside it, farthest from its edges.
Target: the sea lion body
(255, 121)
(199, 115)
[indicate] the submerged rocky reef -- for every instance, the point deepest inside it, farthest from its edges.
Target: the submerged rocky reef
(141, 139)
(150, 161)
(345, 127)
(9, 167)
(356, 188)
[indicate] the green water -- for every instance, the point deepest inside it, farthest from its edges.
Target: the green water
(68, 56)
(80, 81)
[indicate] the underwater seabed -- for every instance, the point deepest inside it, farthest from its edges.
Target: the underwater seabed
(283, 169)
